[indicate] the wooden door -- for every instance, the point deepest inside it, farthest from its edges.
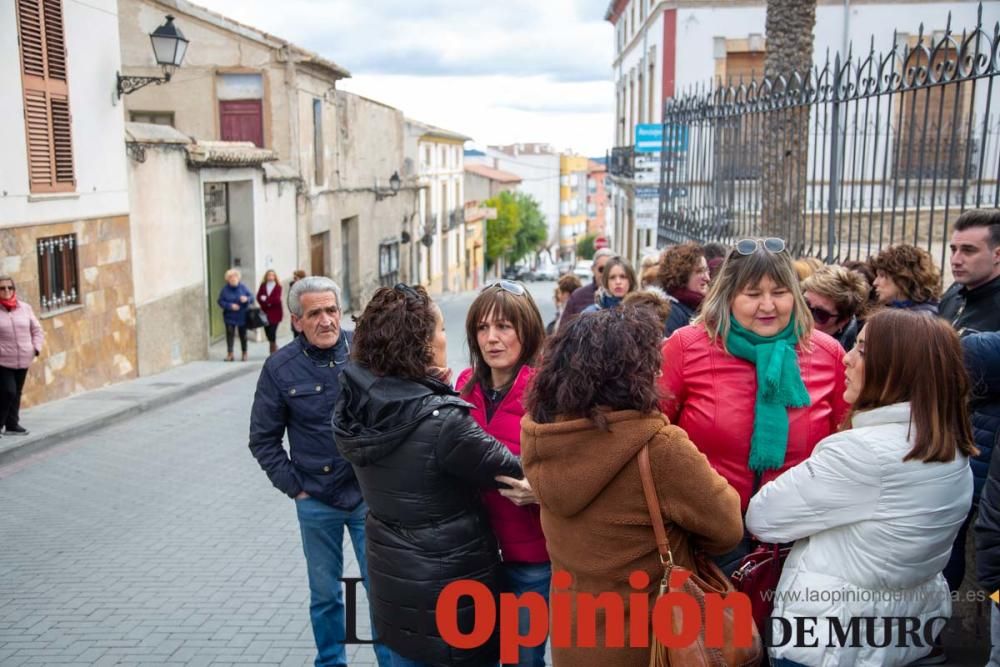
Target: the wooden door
(242, 120)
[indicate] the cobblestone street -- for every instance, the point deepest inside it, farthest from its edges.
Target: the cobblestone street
(158, 540)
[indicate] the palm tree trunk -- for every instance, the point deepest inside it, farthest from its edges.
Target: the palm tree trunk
(785, 147)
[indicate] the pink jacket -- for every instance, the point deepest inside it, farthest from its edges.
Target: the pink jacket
(20, 336)
(518, 529)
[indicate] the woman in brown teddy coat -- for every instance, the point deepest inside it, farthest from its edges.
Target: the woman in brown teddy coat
(591, 409)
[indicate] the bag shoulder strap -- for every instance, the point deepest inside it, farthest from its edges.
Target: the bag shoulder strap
(653, 503)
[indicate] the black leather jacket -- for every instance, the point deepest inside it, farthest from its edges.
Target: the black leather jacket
(972, 311)
(421, 461)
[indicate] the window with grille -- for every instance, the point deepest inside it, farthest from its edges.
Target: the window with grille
(46, 95)
(388, 264)
(58, 285)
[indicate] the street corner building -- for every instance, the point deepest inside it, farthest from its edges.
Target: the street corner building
(64, 210)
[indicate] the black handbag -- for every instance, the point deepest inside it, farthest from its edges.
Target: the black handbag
(256, 318)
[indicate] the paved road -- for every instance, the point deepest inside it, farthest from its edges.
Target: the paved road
(158, 540)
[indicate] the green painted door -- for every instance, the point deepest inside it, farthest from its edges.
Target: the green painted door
(217, 250)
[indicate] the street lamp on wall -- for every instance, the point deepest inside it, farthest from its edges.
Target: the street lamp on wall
(395, 182)
(169, 47)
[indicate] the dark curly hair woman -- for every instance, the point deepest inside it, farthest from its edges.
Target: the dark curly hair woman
(905, 277)
(684, 276)
(422, 462)
(591, 410)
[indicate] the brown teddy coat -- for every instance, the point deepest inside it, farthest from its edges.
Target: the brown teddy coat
(594, 514)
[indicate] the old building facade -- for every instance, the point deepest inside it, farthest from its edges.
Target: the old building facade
(64, 209)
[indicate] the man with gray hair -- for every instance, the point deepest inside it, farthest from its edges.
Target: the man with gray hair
(584, 296)
(296, 393)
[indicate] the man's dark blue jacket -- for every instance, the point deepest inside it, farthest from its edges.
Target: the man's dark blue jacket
(982, 359)
(296, 391)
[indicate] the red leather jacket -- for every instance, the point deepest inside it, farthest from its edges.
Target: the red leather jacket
(711, 395)
(518, 529)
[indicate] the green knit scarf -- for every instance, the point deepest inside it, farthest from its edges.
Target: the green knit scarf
(779, 387)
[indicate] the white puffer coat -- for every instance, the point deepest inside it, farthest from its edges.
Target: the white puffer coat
(872, 536)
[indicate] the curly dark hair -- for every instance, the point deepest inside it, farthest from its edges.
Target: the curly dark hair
(913, 271)
(608, 359)
(393, 335)
(677, 263)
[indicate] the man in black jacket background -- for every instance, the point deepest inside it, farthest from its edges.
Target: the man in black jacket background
(972, 304)
(296, 392)
(988, 551)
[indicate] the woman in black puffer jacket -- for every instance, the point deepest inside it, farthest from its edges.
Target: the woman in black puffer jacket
(421, 461)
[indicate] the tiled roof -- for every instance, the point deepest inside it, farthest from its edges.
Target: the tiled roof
(228, 154)
(498, 175)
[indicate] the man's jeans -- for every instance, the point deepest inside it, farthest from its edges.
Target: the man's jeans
(322, 528)
(995, 637)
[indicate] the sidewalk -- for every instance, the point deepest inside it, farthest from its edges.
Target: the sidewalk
(53, 422)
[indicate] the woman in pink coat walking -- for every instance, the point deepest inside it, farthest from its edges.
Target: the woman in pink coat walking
(21, 341)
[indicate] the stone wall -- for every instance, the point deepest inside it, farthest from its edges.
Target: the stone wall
(92, 344)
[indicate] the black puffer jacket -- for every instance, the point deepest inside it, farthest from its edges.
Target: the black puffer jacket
(987, 531)
(421, 461)
(982, 359)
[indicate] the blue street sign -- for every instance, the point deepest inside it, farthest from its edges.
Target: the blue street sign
(649, 138)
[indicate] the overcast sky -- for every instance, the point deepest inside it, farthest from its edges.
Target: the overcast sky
(516, 71)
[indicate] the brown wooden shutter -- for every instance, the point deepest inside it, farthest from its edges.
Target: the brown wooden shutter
(48, 124)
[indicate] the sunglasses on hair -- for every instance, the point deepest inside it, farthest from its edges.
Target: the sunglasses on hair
(516, 289)
(821, 316)
(406, 290)
(749, 246)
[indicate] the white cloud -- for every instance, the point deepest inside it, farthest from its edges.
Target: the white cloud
(521, 70)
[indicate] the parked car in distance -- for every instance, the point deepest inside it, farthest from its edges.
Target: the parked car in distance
(547, 272)
(582, 269)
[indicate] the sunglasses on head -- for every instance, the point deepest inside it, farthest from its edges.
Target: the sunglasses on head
(821, 316)
(749, 246)
(406, 290)
(517, 289)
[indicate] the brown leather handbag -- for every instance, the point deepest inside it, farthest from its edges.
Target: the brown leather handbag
(707, 578)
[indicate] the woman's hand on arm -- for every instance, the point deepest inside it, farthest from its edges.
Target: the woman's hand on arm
(519, 493)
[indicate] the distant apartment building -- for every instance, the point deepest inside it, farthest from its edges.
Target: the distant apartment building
(538, 165)
(572, 203)
(597, 198)
(482, 182)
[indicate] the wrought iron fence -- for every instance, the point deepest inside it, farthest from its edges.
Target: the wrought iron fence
(859, 153)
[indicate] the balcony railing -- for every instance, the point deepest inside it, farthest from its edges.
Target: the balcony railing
(622, 162)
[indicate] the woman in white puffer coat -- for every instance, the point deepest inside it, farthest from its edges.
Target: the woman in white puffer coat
(874, 510)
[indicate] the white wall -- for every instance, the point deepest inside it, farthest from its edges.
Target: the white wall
(275, 234)
(91, 29)
(168, 233)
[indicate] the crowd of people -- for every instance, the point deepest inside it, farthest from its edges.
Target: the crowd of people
(849, 412)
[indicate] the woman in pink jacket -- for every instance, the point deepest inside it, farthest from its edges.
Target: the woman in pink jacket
(505, 334)
(21, 340)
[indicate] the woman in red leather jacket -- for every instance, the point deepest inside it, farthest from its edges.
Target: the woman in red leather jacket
(753, 384)
(505, 333)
